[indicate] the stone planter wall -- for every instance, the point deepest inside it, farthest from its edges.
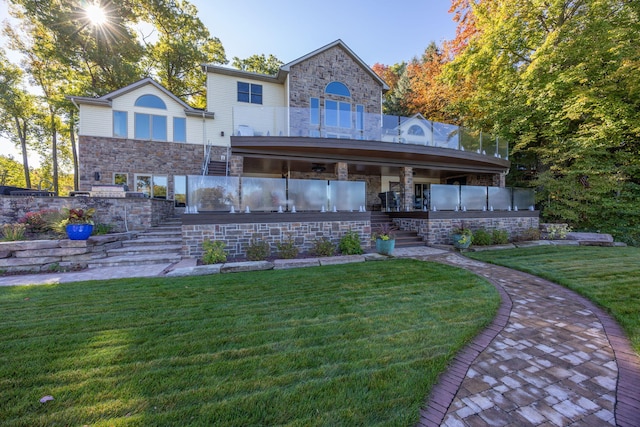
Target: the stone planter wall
(49, 255)
(435, 227)
(122, 213)
(237, 230)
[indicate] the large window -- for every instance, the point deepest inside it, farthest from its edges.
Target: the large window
(337, 114)
(152, 185)
(119, 124)
(149, 126)
(337, 88)
(179, 129)
(180, 190)
(249, 92)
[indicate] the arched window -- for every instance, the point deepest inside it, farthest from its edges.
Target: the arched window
(150, 101)
(337, 88)
(416, 130)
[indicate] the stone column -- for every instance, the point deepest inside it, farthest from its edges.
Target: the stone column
(236, 165)
(342, 171)
(406, 184)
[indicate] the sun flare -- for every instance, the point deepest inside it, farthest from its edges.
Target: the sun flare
(96, 15)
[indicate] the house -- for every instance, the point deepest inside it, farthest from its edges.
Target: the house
(290, 147)
(319, 118)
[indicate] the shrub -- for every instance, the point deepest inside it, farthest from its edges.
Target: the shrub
(258, 249)
(350, 243)
(213, 252)
(482, 237)
(499, 237)
(39, 221)
(100, 229)
(287, 248)
(530, 234)
(13, 232)
(323, 247)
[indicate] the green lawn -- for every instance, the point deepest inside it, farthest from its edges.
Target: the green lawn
(358, 344)
(608, 276)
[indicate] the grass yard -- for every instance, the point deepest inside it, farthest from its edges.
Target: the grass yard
(358, 344)
(609, 277)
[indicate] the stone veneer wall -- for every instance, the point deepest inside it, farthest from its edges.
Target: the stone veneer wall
(131, 156)
(310, 78)
(273, 228)
(121, 213)
(435, 227)
(43, 255)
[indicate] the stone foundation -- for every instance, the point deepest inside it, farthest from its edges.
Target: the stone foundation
(435, 227)
(237, 230)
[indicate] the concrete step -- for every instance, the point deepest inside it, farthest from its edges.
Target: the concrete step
(149, 241)
(160, 233)
(141, 250)
(125, 260)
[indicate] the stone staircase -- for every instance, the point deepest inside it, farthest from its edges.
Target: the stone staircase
(158, 245)
(404, 239)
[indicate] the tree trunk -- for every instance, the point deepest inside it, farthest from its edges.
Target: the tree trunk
(54, 152)
(22, 136)
(74, 152)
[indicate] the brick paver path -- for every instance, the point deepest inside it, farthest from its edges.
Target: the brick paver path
(550, 358)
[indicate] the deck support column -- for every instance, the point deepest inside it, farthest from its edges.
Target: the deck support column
(342, 171)
(406, 185)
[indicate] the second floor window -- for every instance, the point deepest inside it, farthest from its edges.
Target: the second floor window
(249, 92)
(150, 127)
(120, 124)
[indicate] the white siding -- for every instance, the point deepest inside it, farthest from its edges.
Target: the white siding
(98, 121)
(222, 97)
(95, 121)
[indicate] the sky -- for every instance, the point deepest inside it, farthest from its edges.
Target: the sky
(386, 32)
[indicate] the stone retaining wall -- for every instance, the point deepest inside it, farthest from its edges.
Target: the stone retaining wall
(305, 229)
(121, 213)
(435, 227)
(49, 255)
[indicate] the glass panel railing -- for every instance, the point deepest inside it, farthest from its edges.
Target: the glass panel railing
(524, 198)
(470, 141)
(307, 122)
(308, 195)
(212, 193)
(473, 198)
(264, 194)
(445, 197)
(347, 195)
(499, 198)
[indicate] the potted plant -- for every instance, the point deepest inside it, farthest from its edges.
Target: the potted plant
(79, 223)
(461, 237)
(385, 239)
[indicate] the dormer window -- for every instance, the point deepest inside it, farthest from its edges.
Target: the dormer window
(150, 101)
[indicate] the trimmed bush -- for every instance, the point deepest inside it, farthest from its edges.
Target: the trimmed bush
(350, 244)
(287, 249)
(213, 252)
(482, 237)
(258, 250)
(500, 237)
(323, 247)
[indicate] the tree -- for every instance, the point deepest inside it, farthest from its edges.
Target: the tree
(560, 80)
(258, 64)
(184, 43)
(17, 110)
(11, 172)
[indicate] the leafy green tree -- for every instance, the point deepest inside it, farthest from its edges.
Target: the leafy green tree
(11, 172)
(258, 64)
(183, 45)
(560, 80)
(17, 110)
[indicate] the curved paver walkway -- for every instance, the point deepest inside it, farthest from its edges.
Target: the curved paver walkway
(550, 358)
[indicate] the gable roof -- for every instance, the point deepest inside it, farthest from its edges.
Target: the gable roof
(106, 100)
(338, 43)
(284, 70)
